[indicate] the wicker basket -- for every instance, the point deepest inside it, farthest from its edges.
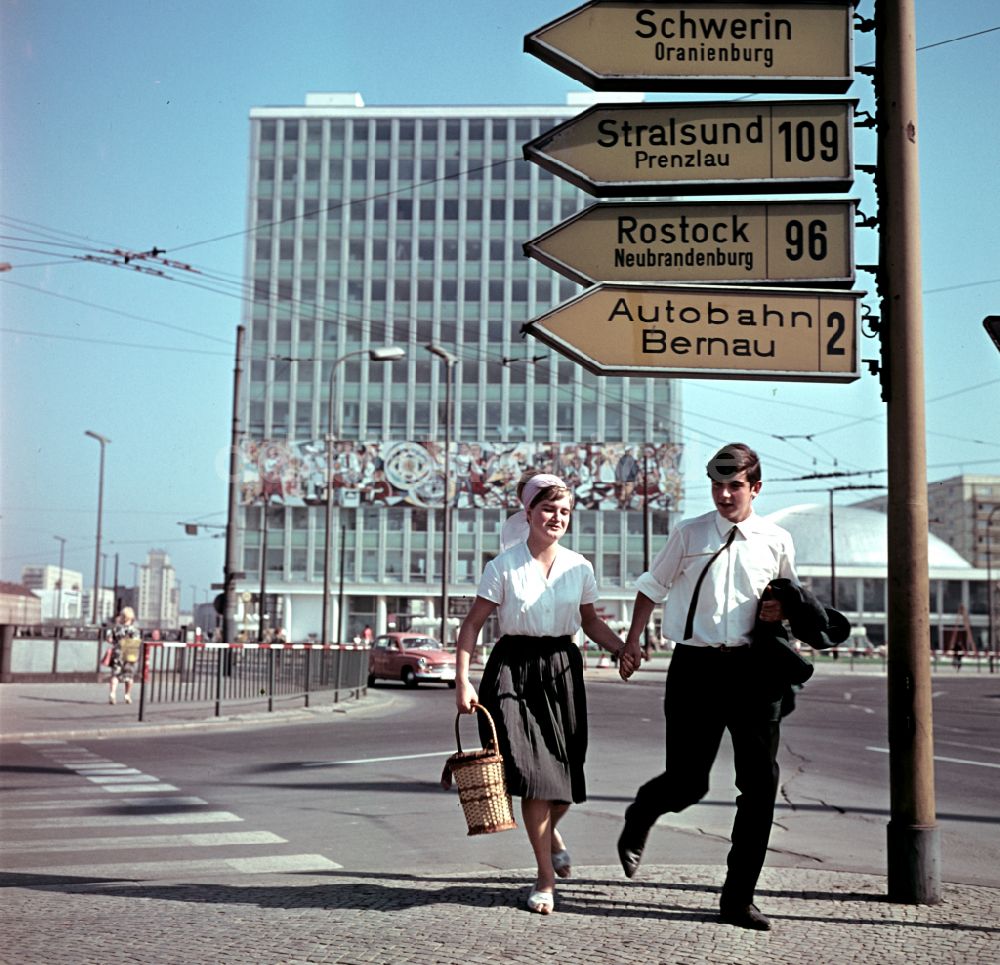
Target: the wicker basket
(481, 785)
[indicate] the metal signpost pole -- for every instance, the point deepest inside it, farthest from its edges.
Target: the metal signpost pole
(914, 869)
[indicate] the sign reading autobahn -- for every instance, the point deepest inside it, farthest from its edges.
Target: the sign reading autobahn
(779, 242)
(625, 150)
(704, 332)
(612, 45)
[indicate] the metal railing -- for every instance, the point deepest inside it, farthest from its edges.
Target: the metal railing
(249, 673)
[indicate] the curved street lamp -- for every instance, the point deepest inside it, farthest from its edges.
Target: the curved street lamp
(387, 353)
(103, 440)
(450, 361)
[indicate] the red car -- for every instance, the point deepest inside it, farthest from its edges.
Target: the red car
(411, 657)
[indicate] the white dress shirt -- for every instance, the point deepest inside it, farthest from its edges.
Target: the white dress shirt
(533, 604)
(727, 602)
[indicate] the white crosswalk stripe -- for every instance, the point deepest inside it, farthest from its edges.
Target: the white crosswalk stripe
(132, 802)
(134, 820)
(73, 820)
(135, 841)
(275, 864)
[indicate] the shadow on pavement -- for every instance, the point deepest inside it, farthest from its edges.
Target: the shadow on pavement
(359, 892)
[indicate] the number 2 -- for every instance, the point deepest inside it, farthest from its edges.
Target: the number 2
(835, 320)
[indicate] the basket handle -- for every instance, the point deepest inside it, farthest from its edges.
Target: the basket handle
(493, 730)
(446, 776)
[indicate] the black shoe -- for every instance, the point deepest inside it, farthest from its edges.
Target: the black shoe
(631, 842)
(744, 916)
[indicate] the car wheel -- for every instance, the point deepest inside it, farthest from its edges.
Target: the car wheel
(408, 677)
(451, 684)
(371, 680)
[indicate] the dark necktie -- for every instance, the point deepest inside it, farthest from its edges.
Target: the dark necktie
(689, 625)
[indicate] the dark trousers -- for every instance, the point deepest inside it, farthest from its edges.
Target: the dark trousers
(708, 692)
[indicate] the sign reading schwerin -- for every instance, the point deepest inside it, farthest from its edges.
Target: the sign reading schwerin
(706, 332)
(698, 46)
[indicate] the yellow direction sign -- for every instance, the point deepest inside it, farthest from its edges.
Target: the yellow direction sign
(705, 332)
(782, 242)
(695, 46)
(620, 150)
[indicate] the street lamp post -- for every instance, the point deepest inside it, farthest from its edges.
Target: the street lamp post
(62, 556)
(992, 325)
(833, 554)
(449, 360)
(387, 353)
(833, 558)
(262, 607)
(103, 440)
(991, 634)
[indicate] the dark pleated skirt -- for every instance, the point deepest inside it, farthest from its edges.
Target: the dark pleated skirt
(533, 688)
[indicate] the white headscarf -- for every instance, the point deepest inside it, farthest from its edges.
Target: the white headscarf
(515, 529)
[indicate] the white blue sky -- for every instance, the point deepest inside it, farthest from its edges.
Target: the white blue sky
(125, 125)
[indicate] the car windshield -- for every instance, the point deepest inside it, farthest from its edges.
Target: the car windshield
(421, 643)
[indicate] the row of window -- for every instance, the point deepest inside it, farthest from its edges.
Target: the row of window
(614, 541)
(429, 290)
(408, 129)
(430, 209)
(405, 170)
(403, 420)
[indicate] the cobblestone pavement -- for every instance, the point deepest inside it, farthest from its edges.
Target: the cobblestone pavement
(668, 915)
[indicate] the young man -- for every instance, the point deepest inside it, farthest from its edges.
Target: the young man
(712, 573)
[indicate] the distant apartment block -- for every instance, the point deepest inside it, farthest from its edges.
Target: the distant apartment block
(159, 593)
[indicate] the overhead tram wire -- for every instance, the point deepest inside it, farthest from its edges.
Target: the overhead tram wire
(116, 311)
(244, 289)
(117, 344)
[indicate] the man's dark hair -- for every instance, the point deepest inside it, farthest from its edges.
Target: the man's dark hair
(733, 458)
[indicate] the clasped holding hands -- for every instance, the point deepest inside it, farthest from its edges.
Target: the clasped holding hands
(629, 659)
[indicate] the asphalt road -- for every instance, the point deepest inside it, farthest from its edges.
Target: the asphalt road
(361, 791)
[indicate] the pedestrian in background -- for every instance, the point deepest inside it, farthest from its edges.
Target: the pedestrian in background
(532, 685)
(712, 572)
(126, 644)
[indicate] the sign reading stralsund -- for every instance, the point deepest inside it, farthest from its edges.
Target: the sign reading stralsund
(706, 332)
(781, 242)
(715, 147)
(613, 45)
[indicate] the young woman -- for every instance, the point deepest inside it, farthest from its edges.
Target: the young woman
(533, 682)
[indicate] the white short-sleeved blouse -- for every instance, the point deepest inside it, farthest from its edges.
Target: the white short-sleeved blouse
(531, 604)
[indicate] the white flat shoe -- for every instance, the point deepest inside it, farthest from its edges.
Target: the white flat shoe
(561, 863)
(541, 902)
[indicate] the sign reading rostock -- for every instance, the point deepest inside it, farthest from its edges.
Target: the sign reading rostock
(705, 332)
(778, 242)
(736, 46)
(625, 150)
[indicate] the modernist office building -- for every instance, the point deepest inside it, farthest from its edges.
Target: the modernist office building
(403, 226)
